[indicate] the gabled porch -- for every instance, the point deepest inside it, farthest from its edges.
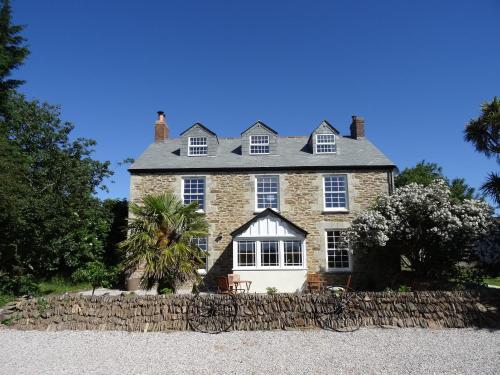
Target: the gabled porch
(270, 251)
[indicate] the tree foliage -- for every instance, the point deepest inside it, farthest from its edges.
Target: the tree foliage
(160, 241)
(51, 220)
(484, 133)
(425, 173)
(12, 52)
(97, 274)
(424, 226)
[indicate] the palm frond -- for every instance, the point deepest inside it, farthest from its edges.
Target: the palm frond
(161, 230)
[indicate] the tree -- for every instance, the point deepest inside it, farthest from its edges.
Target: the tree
(12, 53)
(484, 133)
(160, 241)
(96, 274)
(431, 233)
(426, 173)
(54, 222)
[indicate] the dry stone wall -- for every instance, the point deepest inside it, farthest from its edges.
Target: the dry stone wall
(257, 311)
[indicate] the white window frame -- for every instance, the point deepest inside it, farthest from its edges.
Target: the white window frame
(257, 209)
(278, 253)
(326, 143)
(258, 254)
(197, 146)
(336, 209)
(184, 178)
(252, 143)
(349, 253)
(203, 271)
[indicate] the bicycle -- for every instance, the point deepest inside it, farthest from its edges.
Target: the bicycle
(333, 311)
(212, 313)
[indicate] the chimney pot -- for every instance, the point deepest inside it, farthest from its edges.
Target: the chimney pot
(161, 128)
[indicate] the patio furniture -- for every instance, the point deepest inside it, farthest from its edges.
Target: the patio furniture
(223, 285)
(234, 280)
(346, 288)
(314, 282)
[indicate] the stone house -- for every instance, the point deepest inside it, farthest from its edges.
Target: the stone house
(275, 205)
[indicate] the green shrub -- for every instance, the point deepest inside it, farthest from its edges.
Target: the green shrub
(271, 290)
(18, 285)
(404, 288)
(165, 290)
(97, 274)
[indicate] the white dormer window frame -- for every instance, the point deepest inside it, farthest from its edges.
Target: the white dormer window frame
(197, 146)
(259, 144)
(325, 144)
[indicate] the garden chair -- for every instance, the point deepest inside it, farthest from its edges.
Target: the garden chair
(223, 286)
(234, 281)
(314, 282)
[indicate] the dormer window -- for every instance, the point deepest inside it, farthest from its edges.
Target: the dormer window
(325, 143)
(259, 144)
(197, 146)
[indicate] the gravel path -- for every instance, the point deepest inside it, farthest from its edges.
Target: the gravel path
(367, 351)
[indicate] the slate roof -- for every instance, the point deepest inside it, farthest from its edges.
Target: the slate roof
(201, 126)
(292, 153)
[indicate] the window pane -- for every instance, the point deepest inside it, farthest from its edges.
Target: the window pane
(259, 144)
(194, 191)
(293, 253)
(202, 243)
(325, 138)
(324, 148)
(197, 146)
(267, 192)
(335, 192)
(325, 143)
(246, 253)
(337, 250)
(269, 253)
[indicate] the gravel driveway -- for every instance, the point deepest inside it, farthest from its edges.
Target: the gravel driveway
(367, 351)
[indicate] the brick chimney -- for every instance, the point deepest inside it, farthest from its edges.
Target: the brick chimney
(357, 127)
(161, 128)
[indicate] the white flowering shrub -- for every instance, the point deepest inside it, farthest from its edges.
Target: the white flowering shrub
(421, 223)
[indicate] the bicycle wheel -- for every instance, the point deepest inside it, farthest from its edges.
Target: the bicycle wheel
(334, 315)
(212, 313)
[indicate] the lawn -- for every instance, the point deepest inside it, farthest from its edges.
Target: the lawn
(5, 298)
(493, 281)
(60, 286)
(53, 286)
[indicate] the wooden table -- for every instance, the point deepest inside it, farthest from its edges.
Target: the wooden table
(247, 283)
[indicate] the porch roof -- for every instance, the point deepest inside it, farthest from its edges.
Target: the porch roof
(267, 212)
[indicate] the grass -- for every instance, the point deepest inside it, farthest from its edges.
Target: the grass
(61, 286)
(56, 285)
(493, 281)
(5, 299)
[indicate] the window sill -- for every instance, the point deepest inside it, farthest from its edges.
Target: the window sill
(339, 270)
(337, 211)
(270, 269)
(256, 212)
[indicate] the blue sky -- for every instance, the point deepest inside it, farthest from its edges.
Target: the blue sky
(416, 70)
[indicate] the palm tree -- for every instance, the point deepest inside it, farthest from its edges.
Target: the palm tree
(160, 240)
(484, 134)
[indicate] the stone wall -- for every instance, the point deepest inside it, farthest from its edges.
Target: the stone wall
(257, 311)
(230, 202)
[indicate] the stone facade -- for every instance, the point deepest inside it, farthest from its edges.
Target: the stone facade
(230, 202)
